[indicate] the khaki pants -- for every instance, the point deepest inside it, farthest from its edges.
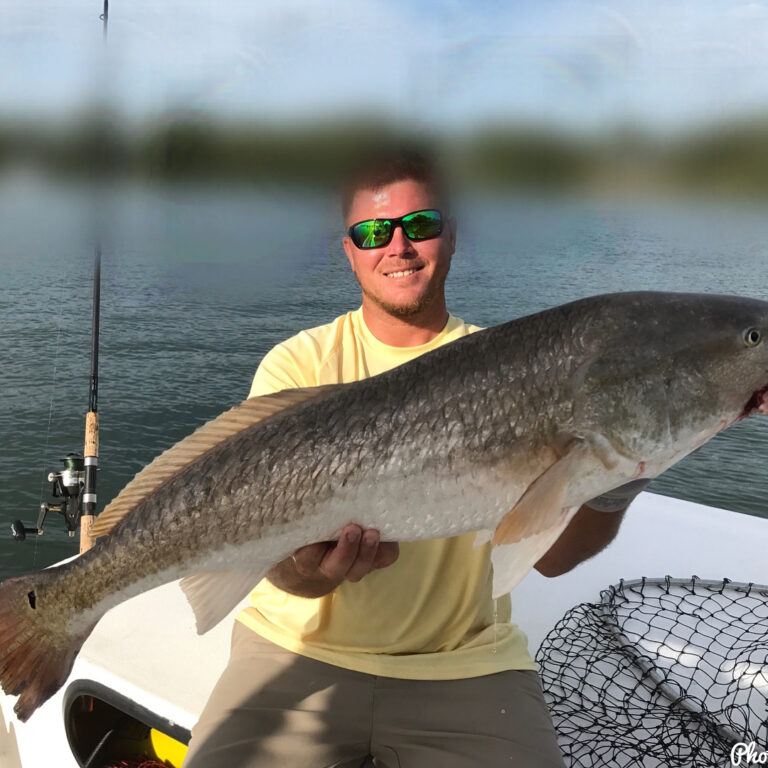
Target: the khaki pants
(275, 709)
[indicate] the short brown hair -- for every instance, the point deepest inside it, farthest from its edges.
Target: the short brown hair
(378, 167)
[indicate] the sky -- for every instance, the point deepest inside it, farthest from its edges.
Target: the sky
(581, 65)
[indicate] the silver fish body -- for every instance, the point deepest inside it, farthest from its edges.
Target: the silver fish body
(509, 430)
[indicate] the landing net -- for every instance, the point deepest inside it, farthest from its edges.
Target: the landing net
(660, 673)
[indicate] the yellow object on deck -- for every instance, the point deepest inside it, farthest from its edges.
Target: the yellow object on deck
(167, 749)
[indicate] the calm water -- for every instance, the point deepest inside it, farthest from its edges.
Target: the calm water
(197, 285)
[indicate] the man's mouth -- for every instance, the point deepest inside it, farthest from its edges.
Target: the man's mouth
(404, 272)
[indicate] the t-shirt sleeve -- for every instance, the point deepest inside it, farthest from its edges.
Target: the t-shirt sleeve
(286, 366)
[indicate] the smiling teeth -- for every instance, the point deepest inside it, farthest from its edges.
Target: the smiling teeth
(401, 274)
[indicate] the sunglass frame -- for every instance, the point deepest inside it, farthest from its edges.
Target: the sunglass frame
(394, 222)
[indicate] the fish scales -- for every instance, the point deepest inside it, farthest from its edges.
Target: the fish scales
(510, 428)
(320, 443)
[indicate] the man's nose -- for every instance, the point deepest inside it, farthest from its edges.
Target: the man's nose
(400, 244)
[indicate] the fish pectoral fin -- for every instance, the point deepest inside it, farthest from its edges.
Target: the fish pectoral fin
(541, 506)
(213, 595)
(511, 562)
(533, 525)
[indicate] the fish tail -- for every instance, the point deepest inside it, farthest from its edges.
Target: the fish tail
(36, 649)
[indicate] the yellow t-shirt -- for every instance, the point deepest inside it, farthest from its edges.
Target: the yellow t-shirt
(430, 616)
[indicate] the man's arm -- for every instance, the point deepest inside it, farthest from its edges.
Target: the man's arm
(590, 531)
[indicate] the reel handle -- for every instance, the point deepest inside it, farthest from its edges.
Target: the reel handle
(19, 531)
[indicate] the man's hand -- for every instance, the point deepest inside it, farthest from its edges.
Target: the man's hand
(317, 569)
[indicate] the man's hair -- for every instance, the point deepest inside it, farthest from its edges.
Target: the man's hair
(384, 165)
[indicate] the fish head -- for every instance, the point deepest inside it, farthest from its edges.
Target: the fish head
(725, 366)
(666, 372)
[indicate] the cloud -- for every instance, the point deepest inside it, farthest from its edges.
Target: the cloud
(750, 11)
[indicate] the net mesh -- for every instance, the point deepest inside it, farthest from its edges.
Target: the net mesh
(661, 672)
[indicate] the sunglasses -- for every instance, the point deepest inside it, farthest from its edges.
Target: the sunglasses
(417, 226)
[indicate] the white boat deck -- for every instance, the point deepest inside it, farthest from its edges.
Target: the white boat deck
(660, 536)
(148, 650)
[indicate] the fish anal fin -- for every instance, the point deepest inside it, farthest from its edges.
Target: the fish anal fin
(166, 465)
(212, 595)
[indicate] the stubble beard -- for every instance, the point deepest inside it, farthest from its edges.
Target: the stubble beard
(412, 308)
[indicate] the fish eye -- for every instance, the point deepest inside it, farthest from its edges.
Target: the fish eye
(752, 337)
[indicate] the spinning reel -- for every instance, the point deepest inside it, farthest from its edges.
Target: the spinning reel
(68, 485)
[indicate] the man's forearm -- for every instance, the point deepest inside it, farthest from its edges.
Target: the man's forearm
(285, 576)
(588, 533)
(591, 530)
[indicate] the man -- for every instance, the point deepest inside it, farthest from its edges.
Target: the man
(361, 648)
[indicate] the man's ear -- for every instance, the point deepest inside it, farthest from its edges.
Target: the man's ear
(452, 233)
(349, 249)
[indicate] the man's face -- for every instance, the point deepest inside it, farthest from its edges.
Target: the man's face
(402, 277)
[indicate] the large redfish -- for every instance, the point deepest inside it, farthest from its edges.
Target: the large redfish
(507, 432)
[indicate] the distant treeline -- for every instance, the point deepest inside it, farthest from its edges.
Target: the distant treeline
(730, 159)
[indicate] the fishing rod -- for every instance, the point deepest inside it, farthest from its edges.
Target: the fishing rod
(74, 486)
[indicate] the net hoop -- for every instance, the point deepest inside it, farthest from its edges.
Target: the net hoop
(660, 672)
(672, 690)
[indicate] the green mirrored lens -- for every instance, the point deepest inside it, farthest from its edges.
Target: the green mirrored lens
(423, 225)
(372, 233)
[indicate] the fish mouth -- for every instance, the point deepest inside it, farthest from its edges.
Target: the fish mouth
(758, 403)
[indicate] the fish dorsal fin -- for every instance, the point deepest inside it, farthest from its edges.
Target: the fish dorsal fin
(167, 464)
